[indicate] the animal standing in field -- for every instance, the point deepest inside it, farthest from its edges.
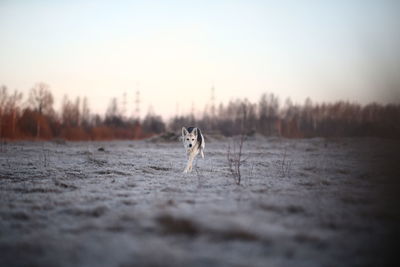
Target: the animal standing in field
(193, 141)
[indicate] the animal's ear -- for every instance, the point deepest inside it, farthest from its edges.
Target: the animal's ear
(195, 131)
(184, 131)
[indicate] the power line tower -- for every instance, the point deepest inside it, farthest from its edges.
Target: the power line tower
(124, 102)
(137, 104)
(212, 102)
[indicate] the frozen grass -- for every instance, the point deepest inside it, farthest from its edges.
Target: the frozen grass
(309, 202)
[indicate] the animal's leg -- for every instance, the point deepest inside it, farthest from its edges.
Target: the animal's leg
(195, 163)
(189, 164)
(191, 158)
(202, 153)
(187, 167)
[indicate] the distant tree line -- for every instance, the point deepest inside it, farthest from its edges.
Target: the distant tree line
(269, 118)
(35, 118)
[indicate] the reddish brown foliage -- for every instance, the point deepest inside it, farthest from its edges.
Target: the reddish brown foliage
(39, 121)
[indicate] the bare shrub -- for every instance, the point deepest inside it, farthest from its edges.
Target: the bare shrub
(235, 156)
(284, 165)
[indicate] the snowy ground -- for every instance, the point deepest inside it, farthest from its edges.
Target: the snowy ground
(314, 202)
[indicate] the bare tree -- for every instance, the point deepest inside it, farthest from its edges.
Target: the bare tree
(268, 114)
(113, 114)
(3, 101)
(70, 112)
(41, 100)
(12, 108)
(113, 109)
(85, 112)
(153, 124)
(9, 106)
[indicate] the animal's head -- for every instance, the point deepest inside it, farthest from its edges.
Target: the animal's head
(189, 137)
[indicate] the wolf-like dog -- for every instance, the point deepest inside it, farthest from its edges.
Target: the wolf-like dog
(193, 141)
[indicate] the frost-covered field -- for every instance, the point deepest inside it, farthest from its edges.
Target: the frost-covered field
(314, 202)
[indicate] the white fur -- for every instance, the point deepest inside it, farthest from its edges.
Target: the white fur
(192, 146)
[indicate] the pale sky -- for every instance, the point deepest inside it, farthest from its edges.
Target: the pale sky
(175, 51)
